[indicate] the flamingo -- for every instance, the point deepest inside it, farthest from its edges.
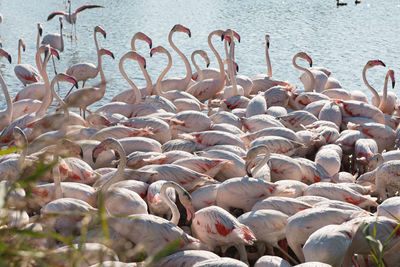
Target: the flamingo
(303, 55)
(204, 55)
(262, 82)
(187, 258)
(89, 95)
(178, 83)
(55, 40)
(5, 136)
(208, 88)
(271, 261)
(128, 96)
(388, 102)
(371, 64)
(216, 227)
(85, 71)
(6, 115)
(72, 17)
(25, 72)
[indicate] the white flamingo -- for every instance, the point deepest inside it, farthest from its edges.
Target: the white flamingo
(25, 73)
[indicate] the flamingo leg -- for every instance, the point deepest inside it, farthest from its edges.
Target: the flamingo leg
(287, 255)
(55, 72)
(354, 262)
(242, 253)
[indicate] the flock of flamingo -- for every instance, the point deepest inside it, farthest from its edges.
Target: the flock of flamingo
(266, 174)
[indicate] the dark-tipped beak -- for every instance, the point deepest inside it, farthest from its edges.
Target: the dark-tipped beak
(208, 65)
(112, 55)
(311, 63)
(9, 59)
(151, 45)
(268, 44)
(151, 54)
(93, 157)
(144, 66)
(237, 68)
(393, 84)
(190, 34)
(40, 31)
(383, 64)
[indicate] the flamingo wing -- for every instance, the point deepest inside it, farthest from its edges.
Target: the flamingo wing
(86, 7)
(55, 13)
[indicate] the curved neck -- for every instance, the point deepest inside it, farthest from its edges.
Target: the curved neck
(133, 86)
(19, 52)
(230, 69)
(199, 72)
(22, 156)
(305, 70)
(38, 61)
(62, 104)
(57, 183)
(174, 209)
(102, 76)
(96, 44)
(48, 96)
(134, 38)
(364, 76)
(261, 164)
(149, 83)
(9, 109)
(158, 90)
(383, 100)
(220, 63)
(185, 60)
(121, 167)
(268, 60)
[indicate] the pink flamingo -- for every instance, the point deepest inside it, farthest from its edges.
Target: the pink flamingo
(262, 82)
(6, 115)
(25, 73)
(208, 88)
(216, 227)
(178, 83)
(128, 96)
(85, 71)
(89, 95)
(72, 17)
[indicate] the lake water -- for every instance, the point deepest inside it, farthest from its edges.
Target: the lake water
(342, 39)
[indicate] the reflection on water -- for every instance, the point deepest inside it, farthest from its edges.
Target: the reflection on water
(342, 39)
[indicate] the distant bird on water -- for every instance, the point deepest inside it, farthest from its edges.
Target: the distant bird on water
(357, 2)
(338, 3)
(72, 17)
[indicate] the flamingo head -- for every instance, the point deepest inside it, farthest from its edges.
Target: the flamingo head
(67, 78)
(304, 55)
(375, 62)
(21, 43)
(61, 22)
(267, 40)
(19, 137)
(106, 52)
(40, 28)
(5, 54)
(158, 49)
(181, 28)
(144, 37)
(139, 58)
(105, 145)
(251, 157)
(54, 52)
(100, 30)
(235, 66)
(186, 201)
(228, 39)
(73, 149)
(204, 55)
(236, 35)
(391, 75)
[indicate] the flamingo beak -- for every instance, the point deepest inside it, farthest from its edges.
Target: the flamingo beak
(102, 31)
(71, 80)
(208, 65)
(108, 52)
(268, 44)
(153, 51)
(23, 47)
(237, 36)
(40, 31)
(189, 213)
(150, 42)
(391, 75)
(5, 54)
(378, 63)
(54, 52)
(97, 151)
(142, 61)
